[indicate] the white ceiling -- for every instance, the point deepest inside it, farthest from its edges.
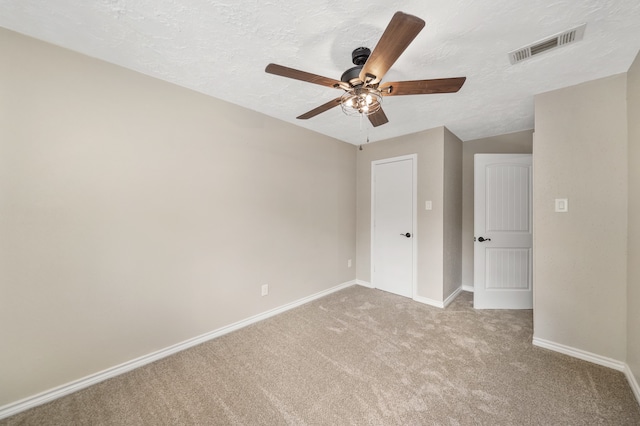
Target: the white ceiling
(221, 47)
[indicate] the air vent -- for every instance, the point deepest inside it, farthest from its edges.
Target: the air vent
(549, 43)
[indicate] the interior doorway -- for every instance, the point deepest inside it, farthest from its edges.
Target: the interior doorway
(393, 224)
(503, 239)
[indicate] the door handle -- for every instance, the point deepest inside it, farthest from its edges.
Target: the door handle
(482, 239)
(408, 235)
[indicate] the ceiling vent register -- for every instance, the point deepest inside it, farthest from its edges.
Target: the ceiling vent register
(558, 40)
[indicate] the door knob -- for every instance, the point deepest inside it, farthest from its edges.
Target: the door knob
(408, 235)
(482, 239)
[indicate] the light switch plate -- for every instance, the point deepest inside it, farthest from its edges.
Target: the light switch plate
(562, 205)
(428, 205)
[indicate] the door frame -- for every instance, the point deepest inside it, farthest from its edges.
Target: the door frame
(414, 213)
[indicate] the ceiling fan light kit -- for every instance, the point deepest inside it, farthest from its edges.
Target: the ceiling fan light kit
(361, 101)
(362, 94)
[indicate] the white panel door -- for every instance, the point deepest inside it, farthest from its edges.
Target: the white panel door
(503, 247)
(393, 241)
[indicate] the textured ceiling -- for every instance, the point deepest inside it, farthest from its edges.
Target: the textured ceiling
(221, 47)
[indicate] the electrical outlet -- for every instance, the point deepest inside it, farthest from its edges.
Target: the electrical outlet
(349, 263)
(265, 289)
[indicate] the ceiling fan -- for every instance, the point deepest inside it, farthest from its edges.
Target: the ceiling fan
(362, 86)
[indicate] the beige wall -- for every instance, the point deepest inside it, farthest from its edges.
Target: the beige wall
(512, 143)
(452, 214)
(580, 153)
(430, 149)
(633, 267)
(135, 214)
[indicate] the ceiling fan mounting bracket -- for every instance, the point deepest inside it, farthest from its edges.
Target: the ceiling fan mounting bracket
(360, 55)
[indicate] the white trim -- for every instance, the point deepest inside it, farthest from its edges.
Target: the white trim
(76, 385)
(452, 297)
(364, 283)
(437, 303)
(427, 301)
(414, 183)
(414, 279)
(594, 358)
(632, 382)
(580, 354)
(468, 288)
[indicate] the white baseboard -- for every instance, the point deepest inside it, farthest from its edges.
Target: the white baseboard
(430, 302)
(437, 303)
(71, 387)
(467, 288)
(632, 382)
(420, 299)
(364, 283)
(580, 354)
(452, 297)
(594, 358)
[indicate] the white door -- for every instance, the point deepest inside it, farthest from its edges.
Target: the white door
(503, 247)
(393, 193)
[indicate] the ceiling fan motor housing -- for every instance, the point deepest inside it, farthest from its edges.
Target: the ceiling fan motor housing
(352, 76)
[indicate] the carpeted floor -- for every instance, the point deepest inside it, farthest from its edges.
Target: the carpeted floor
(360, 357)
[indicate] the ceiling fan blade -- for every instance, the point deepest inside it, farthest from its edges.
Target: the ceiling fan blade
(422, 87)
(378, 118)
(322, 108)
(304, 76)
(400, 32)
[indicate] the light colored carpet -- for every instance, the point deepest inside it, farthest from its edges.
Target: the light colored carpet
(361, 357)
